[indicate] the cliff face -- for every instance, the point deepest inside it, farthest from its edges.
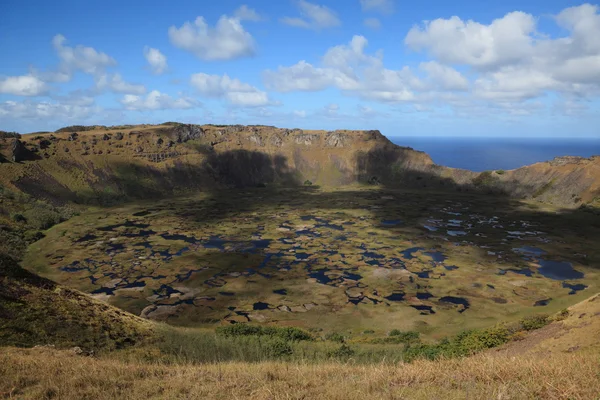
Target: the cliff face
(110, 165)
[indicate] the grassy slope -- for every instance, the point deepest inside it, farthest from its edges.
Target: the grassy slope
(35, 311)
(47, 373)
(509, 373)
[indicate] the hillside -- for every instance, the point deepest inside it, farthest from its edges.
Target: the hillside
(258, 262)
(36, 311)
(555, 374)
(109, 165)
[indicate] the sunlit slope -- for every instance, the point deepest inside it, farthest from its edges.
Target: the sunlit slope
(108, 165)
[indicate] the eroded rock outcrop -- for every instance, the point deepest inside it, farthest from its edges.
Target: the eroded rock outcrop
(18, 151)
(306, 139)
(335, 139)
(183, 133)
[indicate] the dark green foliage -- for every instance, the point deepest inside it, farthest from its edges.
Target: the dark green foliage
(284, 333)
(277, 347)
(6, 135)
(80, 128)
(342, 352)
(463, 344)
(335, 337)
(307, 183)
(484, 179)
(18, 218)
(533, 322)
(500, 172)
(405, 336)
(397, 337)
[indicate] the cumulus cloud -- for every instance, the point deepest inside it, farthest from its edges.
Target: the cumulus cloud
(444, 77)
(115, 83)
(312, 16)
(156, 100)
(383, 6)
(226, 41)
(233, 90)
(156, 60)
(245, 13)
(46, 110)
(372, 23)
(25, 85)
(350, 69)
(86, 59)
(505, 66)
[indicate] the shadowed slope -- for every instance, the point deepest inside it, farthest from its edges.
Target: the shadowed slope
(34, 310)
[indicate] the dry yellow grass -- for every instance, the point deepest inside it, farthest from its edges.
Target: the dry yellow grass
(48, 373)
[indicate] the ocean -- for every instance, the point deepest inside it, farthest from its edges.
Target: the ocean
(481, 154)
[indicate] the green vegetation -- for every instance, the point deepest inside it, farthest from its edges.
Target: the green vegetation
(500, 172)
(80, 128)
(544, 188)
(36, 311)
(285, 333)
(7, 135)
(484, 179)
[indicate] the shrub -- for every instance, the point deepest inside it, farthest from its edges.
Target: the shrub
(404, 336)
(18, 218)
(500, 172)
(307, 183)
(335, 337)
(42, 218)
(533, 322)
(369, 331)
(563, 314)
(344, 352)
(278, 347)
(291, 334)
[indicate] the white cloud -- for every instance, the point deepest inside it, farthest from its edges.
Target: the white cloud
(299, 113)
(233, 90)
(383, 6)
(372, 23)
(245, 13)
(46, 110)
(25, 85)
(313, 16)
(156, 100)
(86, 59)
(156, 59)
(349, 69)
(115, 83)
(304, 77)
(444, 77)
(504, 41)
(226, 41)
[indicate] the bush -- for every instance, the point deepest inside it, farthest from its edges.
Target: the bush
(278, 347)
(563, 314)
(533, 322)
(404, 336)
(335, 337)
(42, 218)
(285, 333)
(500, 172)
(18, 218)
(343, 352)
(307, 183)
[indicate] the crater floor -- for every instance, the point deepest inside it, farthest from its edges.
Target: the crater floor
(353, 258)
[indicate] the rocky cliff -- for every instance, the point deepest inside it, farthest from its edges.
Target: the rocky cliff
(104, 164)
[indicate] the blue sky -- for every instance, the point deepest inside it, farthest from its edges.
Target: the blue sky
(495, 68)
